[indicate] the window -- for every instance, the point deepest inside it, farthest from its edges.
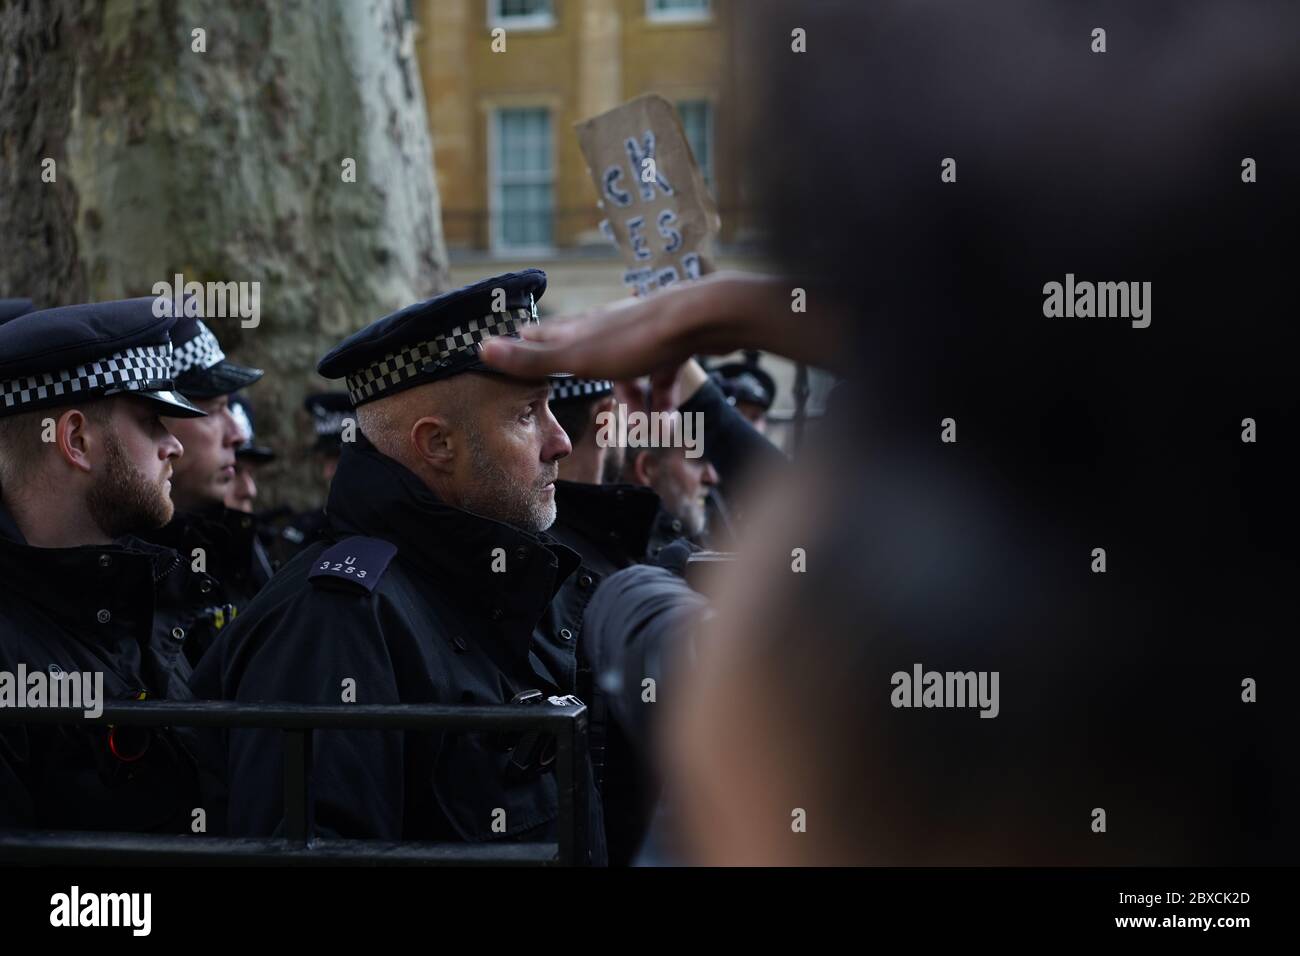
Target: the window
(697, 120)
(523, 180)
(521, 14)
(677, 11)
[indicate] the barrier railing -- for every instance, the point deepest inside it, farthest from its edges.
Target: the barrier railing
(299, 845)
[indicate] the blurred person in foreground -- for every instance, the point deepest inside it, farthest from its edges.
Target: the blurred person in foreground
(1128, 691)
(614, 526)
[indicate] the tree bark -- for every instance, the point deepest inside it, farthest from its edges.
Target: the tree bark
(224, 165)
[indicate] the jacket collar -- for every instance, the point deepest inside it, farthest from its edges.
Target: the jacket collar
(374, 495)
(227, 536)
(103, 590)
(617, 518)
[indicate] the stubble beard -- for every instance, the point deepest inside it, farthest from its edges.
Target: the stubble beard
(502, 496)
(124, 500)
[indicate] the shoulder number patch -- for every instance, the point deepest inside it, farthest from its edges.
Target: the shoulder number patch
(359, 561)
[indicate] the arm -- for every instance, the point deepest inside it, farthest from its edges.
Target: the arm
(720, 313)
(731, 444)
(639, 621)
(303, 654)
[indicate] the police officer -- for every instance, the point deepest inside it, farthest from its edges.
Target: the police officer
(434, 589)
(242, 493)
(695, 492)
(331, 414)
(225, 563)
(85, 460)
(616, 526)
(331, 417)
(610, 526)
(748, 388)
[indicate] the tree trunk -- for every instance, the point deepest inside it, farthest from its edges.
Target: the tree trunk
(225, 165)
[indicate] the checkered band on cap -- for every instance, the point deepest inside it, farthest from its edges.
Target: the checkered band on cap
(202, 351)
(144, 368)
(571, 388)
(443, 351)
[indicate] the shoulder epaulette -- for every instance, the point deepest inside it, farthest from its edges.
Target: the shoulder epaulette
(358, 561)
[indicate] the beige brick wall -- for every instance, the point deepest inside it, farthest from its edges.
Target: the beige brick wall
(597, 54)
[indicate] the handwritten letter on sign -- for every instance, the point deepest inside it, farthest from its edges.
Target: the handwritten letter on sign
(657, 208)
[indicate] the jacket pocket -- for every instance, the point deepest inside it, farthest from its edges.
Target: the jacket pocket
(480, 800)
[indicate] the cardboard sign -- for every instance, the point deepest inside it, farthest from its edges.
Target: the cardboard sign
(657, 208)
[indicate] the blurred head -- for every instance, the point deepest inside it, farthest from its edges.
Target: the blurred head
(242, 492)
(977, 555)
(755, 414)
(590, 462)
(681, 483)
(110, 460)
(206, 472)
(910, 562)
(481, 442)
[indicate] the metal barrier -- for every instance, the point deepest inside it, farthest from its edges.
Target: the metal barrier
(299, 845)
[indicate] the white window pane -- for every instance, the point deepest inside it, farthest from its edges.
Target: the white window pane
(697, 123)
(523, 8)
(526, 215)
(679, 6)
(523, 178)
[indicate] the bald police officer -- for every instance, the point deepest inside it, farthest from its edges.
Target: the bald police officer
(84, 461)
(434, 589)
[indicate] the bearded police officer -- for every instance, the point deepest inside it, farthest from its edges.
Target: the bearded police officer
(84, 461)
(434, 589)
(225, 564)
(698, 496)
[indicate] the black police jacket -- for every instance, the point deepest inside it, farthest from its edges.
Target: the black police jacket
(284, 533)
(89, 610)
(406, 607)
(201, 596)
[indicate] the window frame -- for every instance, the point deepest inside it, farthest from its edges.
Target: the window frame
(707, 172)
(654, 15)
(534, 21)
(496, 241)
